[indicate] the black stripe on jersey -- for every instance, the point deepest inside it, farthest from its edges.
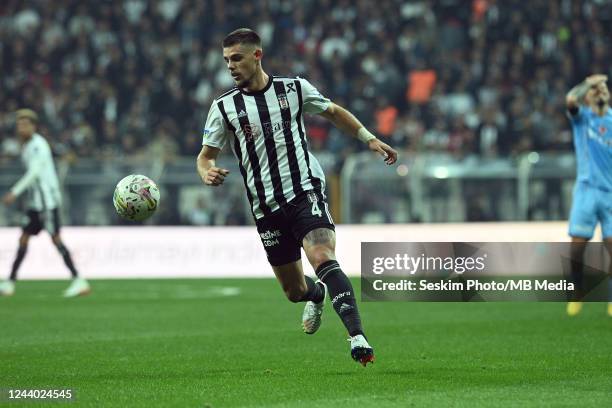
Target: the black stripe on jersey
(225, 118)
(223, 95)
(268, 135)
(252, 154)
(294, 167)
(237, 152)
(315, 181)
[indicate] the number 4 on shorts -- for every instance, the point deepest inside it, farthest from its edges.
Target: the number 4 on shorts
(315, 209)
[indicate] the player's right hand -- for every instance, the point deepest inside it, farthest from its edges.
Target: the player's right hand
(386, 151)
(215, 176)
(9, 198)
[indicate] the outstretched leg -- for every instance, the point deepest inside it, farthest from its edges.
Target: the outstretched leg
(320, 246)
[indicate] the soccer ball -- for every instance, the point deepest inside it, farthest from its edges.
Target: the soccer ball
(136, 197)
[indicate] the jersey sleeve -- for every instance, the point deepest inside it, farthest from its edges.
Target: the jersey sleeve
(35, 163)
(312, 100)
(215, 129)
(576, 116)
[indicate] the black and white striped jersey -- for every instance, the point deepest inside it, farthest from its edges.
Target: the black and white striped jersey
(40, 181)
(267, 134)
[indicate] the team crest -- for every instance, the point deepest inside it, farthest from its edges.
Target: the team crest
(602, 130)
(283, 102)
(251, 131)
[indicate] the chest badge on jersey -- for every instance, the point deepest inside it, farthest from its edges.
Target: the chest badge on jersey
(602, 130)
(283, 102)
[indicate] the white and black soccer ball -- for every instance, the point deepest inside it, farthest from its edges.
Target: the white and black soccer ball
(136, 197)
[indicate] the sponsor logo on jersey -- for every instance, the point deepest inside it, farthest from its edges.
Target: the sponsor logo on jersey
(269, 128)
(242, 113)
(251, 131)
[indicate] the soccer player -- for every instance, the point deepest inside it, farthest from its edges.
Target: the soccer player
(42, 199)
(591, 117)
(263, 119)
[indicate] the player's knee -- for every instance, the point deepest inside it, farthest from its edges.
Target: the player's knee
(295, 293)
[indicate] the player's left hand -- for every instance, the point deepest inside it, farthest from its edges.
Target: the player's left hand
(9, 198)
(386, 151)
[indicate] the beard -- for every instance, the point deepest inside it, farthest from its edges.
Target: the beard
(245, 82)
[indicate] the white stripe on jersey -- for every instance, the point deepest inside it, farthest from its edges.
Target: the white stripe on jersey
(266, 129)
(40, 181)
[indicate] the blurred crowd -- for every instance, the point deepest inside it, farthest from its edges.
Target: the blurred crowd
(136, 78)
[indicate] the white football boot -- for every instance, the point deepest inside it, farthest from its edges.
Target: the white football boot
(311, 317)
(361, 351)
(78, 287)
(7, 288)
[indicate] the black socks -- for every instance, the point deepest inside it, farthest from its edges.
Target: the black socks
(67, 259)
(342, 295)
(315, 291)
(21, 251)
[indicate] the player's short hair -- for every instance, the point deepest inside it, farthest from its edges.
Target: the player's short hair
(242, 36)
(27, 114)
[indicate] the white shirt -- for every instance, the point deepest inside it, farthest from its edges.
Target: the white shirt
(267, 133)
(40, 182)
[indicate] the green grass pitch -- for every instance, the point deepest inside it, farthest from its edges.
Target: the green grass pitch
(238, 343)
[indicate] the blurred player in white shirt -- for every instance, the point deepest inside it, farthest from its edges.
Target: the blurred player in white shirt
(40, 187)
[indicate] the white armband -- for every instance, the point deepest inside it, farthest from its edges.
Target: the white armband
(364, 135)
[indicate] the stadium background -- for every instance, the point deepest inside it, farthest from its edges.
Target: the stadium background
(471, 92)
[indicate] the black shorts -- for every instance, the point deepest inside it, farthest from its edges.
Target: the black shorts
(282, 231)
(36, 221)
